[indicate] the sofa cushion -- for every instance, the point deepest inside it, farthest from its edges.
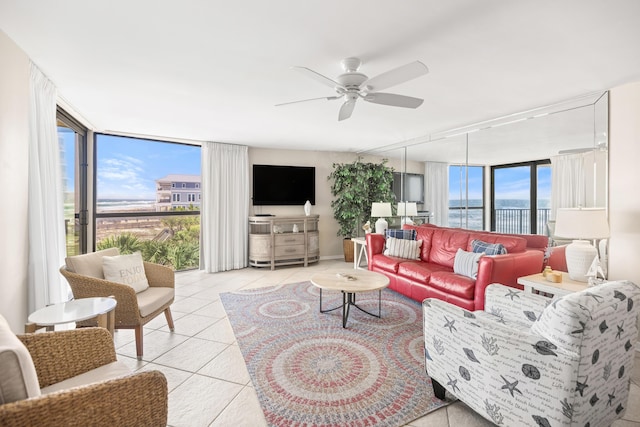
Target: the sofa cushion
(478, 246)
(425, 234)
(445, 245)
(89, 264)
(402, 248)
(105, 372)
(126, 269)
(153, 298)
(466, 263)
(419, 271)
(386, 263)
(454, 284)
(18, 378)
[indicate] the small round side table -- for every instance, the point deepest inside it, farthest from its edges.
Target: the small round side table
(74, 311)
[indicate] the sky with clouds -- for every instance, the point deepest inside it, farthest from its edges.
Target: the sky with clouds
(128, 167)
(511, 183)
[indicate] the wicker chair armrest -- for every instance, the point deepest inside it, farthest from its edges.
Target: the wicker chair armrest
(60, 355)
(126, 311)
(135, 400)
(159, 275)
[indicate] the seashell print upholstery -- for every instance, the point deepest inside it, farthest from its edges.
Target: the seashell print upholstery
(529, 360)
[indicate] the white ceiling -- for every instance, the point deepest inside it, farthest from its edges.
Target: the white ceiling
(213, 70)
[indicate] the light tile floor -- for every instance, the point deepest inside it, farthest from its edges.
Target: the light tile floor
(208, 382)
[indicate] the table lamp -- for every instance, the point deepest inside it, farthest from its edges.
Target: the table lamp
(406, 210)
(380, 211)
(582, 224)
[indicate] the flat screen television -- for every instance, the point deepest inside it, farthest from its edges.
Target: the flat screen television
(275, 185)
(413, 187)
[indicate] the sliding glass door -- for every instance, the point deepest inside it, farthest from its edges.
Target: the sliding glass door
(72, 139)
(520, 197)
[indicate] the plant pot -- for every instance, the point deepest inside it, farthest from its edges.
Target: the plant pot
(347, 247)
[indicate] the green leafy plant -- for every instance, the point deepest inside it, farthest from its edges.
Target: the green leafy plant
(128, 243)
(355, 187)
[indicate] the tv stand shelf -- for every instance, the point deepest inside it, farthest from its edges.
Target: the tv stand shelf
(273, 241)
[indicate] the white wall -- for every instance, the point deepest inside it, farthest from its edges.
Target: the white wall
(330, 242)
(624, 181)
(14, 158)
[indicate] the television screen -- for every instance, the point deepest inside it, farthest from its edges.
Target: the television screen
(413, 187)
(283, 185)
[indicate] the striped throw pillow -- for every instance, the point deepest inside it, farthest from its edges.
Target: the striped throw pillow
(466, 263)
(403, 248)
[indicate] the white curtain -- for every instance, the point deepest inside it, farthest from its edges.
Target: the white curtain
(568, 186)
(436, 176)
(46, 208)
(224, 211)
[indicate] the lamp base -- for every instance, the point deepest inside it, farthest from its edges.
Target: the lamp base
(580, 255)
(381, 226)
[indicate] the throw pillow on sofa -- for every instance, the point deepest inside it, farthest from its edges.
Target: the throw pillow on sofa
(466, 263)
(478, 246)
(402, 234)
(403, 248)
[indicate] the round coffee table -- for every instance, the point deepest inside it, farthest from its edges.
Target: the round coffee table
(74, 311)
(349, 283)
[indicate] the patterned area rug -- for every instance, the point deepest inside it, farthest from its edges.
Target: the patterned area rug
(308, 370)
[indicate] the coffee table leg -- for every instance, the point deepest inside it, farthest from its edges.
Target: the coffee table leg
(347, 300)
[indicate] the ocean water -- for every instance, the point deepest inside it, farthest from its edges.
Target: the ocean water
(512, 215)
(111, 205)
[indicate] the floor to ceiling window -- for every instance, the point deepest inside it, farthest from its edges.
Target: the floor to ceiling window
(148, 199)
(466, 197)
(72, 138)
(520, 197)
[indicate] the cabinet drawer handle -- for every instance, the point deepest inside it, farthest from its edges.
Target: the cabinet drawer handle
(290, 250)
(289, 240)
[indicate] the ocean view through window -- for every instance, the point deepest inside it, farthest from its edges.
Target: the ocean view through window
(148, 199)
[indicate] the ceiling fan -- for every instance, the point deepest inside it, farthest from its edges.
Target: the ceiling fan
(352, 85)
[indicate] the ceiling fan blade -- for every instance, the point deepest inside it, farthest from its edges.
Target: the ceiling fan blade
(318, 77)
(346, 110)
(396, 76)
(394, 100)
(328, 98)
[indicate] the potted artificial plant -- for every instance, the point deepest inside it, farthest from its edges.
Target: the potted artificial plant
(355, 187)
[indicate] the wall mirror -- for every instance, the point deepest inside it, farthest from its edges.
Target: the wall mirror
(498, 172)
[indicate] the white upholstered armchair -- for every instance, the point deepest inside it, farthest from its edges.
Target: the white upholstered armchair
(531, 361)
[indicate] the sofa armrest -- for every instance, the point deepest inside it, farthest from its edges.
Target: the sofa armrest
(514, 305)
(375, 246)
(159, 275)
(135, 400)
(60, 355)
(482, 361)
(505, 269)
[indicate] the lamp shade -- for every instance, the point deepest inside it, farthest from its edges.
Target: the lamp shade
(380, 210)
(407, 209)
(582, 223)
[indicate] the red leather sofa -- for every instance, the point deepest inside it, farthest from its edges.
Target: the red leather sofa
(432, 275)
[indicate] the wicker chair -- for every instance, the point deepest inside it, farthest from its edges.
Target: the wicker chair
(138, 399)
(133, 310)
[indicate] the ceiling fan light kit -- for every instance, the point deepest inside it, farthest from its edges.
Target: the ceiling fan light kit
(352, 84)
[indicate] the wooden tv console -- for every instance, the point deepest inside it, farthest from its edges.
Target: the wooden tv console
(273, 242)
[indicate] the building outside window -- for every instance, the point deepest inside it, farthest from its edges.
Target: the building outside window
(138, 208)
